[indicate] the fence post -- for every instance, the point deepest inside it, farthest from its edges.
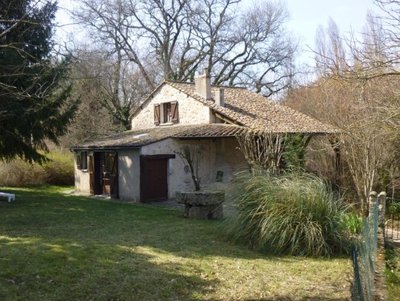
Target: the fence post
(380, 288)
(371, 205)
(382, 210)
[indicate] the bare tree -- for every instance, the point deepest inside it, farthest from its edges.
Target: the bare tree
(330, 54)
(263, 150)
(249, 49)
(367, 133)
(92, 118)
(191, 154)
(357, 94)
(252, 50)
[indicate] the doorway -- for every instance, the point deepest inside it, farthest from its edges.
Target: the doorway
(154, 177)
(104, 174)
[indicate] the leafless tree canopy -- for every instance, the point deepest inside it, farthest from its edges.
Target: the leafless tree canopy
(171, 39)
(357, 91)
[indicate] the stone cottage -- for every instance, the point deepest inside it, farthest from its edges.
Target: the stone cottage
(143, 164)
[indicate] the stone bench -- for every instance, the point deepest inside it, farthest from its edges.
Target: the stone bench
(9, 196)
(202, 204)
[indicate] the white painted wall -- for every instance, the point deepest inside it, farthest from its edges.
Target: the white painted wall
(190, 110)
(82, 178)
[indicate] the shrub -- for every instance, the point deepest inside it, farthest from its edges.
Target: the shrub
(293, 214)
(393, 206)
(58, 170)
(351, 223)
(21, 173)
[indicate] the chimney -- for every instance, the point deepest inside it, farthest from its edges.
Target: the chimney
(202, 85)
(219, 97)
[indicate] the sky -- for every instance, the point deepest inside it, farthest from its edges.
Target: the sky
(305, 16)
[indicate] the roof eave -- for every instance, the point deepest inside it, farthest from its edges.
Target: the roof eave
(149, 97)
(103, 148)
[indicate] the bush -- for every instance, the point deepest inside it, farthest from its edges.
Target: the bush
(293, 214)
(352, 223)
(58, 170)
(393, 206)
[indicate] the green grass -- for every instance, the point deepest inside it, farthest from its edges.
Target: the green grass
(55, 246)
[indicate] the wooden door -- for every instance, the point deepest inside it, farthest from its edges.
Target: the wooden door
(110, 174)
(91, 174)
(153, 178)
(98, 172)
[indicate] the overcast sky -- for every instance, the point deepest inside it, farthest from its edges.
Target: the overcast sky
(305, 17)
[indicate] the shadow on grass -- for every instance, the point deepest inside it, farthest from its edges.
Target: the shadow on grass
(52, 214)
(45, 269)
(290, 298)
(54, 245)
(59, 246)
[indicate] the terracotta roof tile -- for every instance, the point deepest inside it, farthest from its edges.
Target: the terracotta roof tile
(245, 109)
(258, 113)
(136, 139)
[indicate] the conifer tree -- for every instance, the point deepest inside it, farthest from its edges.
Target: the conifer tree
(35, 106)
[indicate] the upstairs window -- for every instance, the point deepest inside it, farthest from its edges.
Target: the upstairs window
(166, 113)
(81, 161)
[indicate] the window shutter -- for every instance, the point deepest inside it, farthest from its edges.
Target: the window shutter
(84, 164)
(156, 114)
(174, 110)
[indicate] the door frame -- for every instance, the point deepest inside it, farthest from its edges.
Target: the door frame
(96, 170)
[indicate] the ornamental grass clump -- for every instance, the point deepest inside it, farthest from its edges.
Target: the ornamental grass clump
(288, 214)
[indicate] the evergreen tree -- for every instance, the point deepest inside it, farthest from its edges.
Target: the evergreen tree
(35, 106)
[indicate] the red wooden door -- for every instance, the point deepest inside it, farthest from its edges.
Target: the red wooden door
(153, 179)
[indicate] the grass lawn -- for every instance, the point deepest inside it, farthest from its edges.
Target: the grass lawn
(55, 246)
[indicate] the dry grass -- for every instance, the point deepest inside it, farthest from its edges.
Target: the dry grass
(58, 170)
(55, 246)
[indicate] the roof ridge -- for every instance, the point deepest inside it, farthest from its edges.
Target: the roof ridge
(212, 86)
(248, 108)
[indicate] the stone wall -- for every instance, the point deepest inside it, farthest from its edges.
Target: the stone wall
(190, 110)
(229, 158)
(217, 155)
(220, 159)
(179, 177)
